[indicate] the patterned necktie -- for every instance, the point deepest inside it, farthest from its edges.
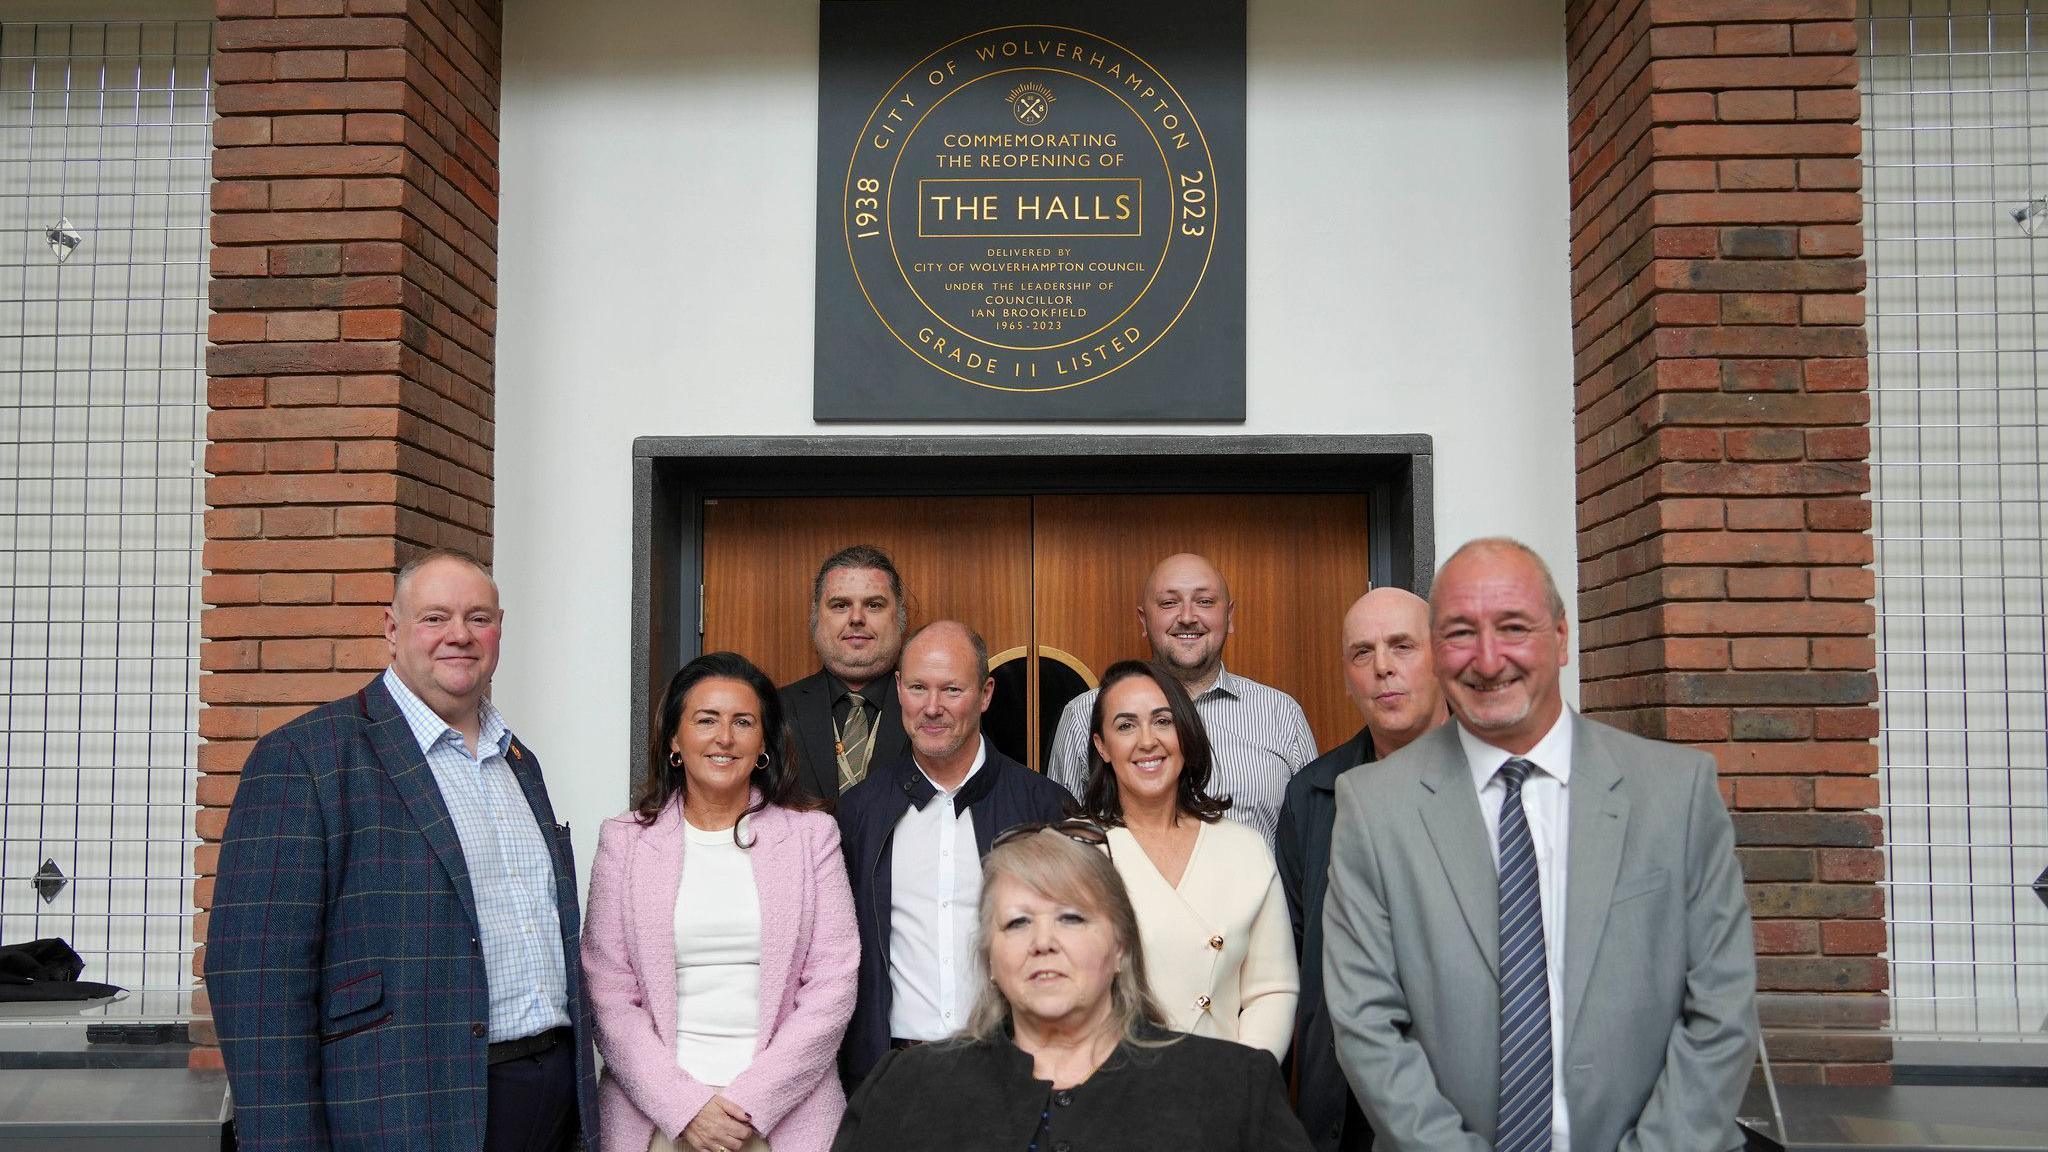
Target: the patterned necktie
(856, 741)
(1525, 1074)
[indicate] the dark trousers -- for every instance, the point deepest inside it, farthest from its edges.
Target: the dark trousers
(533, 1103)
(1357, 1135)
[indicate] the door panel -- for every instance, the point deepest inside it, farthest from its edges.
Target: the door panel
(1295, 563)
(1055, 576)
(962, 558)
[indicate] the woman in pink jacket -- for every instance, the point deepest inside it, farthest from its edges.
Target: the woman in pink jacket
(720, 951)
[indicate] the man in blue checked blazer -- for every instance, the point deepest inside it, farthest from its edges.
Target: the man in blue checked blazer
(393, 953)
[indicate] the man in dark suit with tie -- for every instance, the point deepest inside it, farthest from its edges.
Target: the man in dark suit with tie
(393, 956)
(844, 715)
(1535, 932)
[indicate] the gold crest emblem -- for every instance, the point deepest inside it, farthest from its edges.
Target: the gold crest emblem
(1030, 102)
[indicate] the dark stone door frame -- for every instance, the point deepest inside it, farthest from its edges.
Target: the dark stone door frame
(674, 475)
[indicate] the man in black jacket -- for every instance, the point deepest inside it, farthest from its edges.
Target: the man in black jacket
(1391, 676)
(844, 715)
(914, 832)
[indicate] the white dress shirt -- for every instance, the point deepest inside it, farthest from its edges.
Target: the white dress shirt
(1546, 802)
(934, 903)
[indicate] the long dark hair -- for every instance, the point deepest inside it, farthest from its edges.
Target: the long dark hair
(667, 782)
(1101, 799)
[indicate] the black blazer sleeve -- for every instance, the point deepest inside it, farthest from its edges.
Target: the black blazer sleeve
(1269, 1124)
(875, 1090)
(1287, 853)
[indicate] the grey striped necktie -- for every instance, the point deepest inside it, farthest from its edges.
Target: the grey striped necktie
(1525, 1074)
(856, 741)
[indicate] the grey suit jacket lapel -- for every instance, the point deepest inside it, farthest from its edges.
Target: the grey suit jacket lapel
(400, 754)
(1599, 824)
(1451, 814)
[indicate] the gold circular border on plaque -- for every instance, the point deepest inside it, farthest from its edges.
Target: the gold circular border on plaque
(1214, 204)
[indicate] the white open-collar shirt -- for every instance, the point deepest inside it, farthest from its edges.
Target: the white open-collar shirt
(1546, 803)
(934, 899)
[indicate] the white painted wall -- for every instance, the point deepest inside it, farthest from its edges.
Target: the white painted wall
(1407, 273)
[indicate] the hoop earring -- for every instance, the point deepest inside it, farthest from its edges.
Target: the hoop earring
(675, 759)
(762, 761)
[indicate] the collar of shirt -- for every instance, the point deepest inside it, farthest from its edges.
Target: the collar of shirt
(1227, 682)
(980, 758)
(1552, 755)
(429, 729)
(840, 691)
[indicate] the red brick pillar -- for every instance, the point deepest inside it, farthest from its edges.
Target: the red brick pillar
(1722, 428)
(354, 301)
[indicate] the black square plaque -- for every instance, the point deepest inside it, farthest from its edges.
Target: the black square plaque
(1030, 211)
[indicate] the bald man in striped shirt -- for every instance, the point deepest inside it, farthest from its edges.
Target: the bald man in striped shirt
(1259, 736)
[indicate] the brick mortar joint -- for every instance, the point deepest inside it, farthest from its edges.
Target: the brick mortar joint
(431, 132)
(490, 244)
(487, 83)
(404, 209)
(409, 408)
(1632, 21)
(485, 336)
(1642, 288)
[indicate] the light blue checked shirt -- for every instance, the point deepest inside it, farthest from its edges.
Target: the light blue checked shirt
(510, 871)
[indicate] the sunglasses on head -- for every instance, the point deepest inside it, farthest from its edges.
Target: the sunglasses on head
(1078, 830)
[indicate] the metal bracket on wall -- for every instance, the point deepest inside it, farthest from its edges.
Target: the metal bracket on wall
(49, 880)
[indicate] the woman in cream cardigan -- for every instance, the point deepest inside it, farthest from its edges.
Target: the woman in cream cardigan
(1218, 945)
(720, 951)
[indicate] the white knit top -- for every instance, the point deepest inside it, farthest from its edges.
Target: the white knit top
(718, 958)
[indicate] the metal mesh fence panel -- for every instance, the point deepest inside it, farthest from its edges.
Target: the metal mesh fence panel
(1955, 145)
(104, 136)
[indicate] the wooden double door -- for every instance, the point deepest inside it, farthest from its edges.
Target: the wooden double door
(1052, 585)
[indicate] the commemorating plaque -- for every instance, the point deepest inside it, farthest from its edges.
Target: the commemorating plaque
(1030, 211)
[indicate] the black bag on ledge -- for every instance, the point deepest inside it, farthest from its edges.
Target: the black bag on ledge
(46, 970)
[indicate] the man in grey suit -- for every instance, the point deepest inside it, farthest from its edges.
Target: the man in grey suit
(1535, 934)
